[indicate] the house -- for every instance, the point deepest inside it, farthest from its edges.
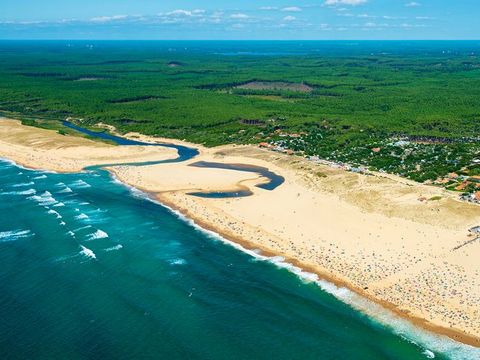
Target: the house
(462, 186)
(376, 150)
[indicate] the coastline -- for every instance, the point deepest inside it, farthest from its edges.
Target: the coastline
(454, 334)
(136, 178)
(249, 247)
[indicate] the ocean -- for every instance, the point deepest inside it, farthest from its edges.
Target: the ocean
(91, 268)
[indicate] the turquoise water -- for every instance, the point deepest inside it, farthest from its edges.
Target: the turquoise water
(90, 268)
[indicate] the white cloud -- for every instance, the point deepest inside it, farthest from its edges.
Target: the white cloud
(289, 18)
(344, 2)
(413, 4)
(366, 16)
(108, 18)
(239, 16)
(268, 8)
(189, 13)
(292, 9)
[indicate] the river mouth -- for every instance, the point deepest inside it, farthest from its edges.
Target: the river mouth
(186, 153)
(274, 180)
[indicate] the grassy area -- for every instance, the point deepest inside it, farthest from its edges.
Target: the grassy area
(359, 95)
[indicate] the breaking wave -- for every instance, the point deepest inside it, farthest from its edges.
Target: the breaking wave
(80, 184)
(99, 234)
(24, 184)
(25, 192)
(13, 235)
(53, 212)
(87, 252)
(44, 199)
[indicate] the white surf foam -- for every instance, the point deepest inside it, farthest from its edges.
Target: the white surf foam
(44, 199)
(114, 248)
(87, 252)
(81, 216)
(13, 235)
(80, 184)
(65, 190)
(53, 212)
(178, 261)
(24, 184)
(99, 234)
(13, 163)
(25, 192)
(40, 177)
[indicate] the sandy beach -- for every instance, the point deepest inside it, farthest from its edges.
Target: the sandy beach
(46, 149)
(368, 233)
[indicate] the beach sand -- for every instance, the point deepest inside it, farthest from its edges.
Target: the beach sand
(46, 149)
(368, 233)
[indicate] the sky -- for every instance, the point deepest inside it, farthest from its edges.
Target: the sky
(240, 20)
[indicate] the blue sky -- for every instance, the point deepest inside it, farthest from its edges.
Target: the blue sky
(248, 19)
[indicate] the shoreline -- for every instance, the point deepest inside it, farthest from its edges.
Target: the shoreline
(454, 334)
(159, 191)
(247, 247)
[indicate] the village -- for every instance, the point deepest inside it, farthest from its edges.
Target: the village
(440, 164)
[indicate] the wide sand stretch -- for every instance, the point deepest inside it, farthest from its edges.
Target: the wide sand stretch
(368, 233)
(45, 149)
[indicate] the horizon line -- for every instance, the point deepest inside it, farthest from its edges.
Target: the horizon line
(226, 40)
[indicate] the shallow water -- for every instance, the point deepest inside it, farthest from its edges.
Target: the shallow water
(90, 268)
(184, 152)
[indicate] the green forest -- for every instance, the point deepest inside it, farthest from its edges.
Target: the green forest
(214, 93)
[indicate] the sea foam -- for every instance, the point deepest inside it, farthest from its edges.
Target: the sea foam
(44, 199)
(114, 248)
(80, 184)
(81, 216)
(99, 234)
(65, 190)
(13, 235)
(25, 192)
(87, 252)
(53, 212)
(24, 184)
